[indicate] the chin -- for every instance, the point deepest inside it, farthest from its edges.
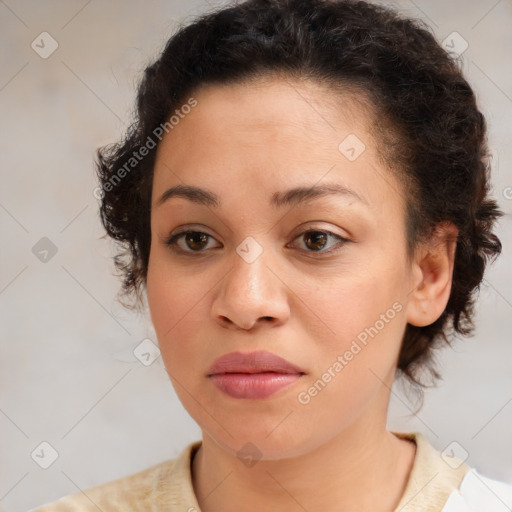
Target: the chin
(257, 440)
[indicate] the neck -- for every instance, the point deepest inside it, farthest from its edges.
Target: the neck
(362, 468)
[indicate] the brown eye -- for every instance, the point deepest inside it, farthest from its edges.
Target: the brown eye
(194, 242)
(315, 239)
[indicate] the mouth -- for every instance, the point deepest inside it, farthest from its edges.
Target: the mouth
(253, 375)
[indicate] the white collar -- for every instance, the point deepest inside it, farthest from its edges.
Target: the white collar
(478, 493)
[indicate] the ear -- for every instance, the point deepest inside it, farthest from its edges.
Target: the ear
(432, 272)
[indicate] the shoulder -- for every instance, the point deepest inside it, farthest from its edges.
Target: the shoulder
(433, 476)
(135, 488)
(477, 492)
(442, 482)
(160, 484)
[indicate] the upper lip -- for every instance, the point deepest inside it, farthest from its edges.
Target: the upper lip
(252, 362)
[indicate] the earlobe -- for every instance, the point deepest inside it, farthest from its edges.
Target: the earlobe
(432, 272)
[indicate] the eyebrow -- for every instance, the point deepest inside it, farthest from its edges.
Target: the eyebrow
(291, 197)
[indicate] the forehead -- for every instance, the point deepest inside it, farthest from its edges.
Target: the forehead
(267, 135)
(272, 107)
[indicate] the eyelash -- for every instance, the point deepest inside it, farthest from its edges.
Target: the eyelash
(172, 240)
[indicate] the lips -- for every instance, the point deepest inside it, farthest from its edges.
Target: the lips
(253, 375)
(253, 362)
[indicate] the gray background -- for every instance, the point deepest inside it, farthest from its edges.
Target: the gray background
(68, 375)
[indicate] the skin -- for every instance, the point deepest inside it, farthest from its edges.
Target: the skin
(245, 142)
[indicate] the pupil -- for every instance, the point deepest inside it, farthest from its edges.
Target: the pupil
(192, 239)
(317, 236)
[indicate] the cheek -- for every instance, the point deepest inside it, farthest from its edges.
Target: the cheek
(349, 367)
(353, 303)
(178, 303)
(172, 299)
(365, 316)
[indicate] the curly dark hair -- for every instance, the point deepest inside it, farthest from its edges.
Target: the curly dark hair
(428, 121)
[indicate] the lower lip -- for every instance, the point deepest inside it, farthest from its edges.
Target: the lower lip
(253, 385)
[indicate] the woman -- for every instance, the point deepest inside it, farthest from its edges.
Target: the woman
(303, 200)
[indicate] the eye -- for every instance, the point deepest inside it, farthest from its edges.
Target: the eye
(195, 240)
(317, 240)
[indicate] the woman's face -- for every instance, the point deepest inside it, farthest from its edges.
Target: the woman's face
(331, 302)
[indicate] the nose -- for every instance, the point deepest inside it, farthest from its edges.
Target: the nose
(251, 294)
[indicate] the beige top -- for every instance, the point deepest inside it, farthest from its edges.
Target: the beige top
(168, 486)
